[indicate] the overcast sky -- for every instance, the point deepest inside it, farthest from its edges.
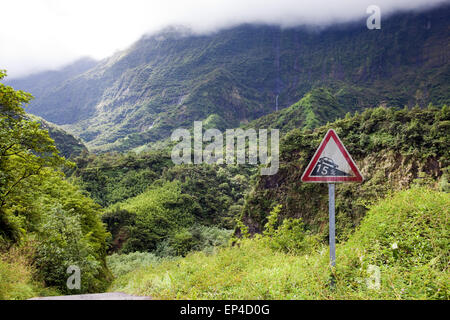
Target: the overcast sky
(46, 34)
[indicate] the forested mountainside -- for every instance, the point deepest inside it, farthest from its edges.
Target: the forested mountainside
(67, 144)
(228, 78)
(153, 205)
(316, 108)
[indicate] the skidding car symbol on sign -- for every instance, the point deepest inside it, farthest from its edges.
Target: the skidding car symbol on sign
(326, 167)
(332, 163)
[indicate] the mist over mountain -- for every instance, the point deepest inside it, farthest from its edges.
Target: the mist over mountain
(41, 82)
(228, 78)
(48, 34)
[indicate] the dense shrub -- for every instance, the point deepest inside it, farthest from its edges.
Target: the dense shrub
(63, 244)
(290, 236)
(174, 215)
(196, 238)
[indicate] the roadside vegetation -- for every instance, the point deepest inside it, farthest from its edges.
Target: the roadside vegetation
(46, 223)
(405, 235)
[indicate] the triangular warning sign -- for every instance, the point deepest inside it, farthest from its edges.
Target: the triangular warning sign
(332, 163)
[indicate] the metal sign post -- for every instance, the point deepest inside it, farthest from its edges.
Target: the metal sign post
(332, 224)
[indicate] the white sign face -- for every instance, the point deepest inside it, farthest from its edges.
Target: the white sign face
(332, 163)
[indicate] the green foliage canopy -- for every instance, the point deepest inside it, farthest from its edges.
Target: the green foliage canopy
(25, 150)
(38, 206)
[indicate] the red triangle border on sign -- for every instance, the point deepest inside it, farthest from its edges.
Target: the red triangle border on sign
(332, 134)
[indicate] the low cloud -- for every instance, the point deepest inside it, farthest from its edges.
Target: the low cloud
(46, 34)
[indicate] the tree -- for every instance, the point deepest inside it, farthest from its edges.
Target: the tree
(38, 205)
(25, 151)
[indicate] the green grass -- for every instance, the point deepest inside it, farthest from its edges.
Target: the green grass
(17, 276)
(415, 220)
(121, 264)
(15, 281)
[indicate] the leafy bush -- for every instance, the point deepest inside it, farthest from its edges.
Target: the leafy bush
(167, 218)
(70, 232)
(178, 244)
(290, 236)
(118, 222)
(210, 237)
(196, 238)
(62, 244)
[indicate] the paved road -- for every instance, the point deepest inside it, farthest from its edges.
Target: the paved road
(96, 296)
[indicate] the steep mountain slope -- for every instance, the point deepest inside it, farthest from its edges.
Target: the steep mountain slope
(68, 145)
(170, 79)
(316, 108)
(42, 83)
